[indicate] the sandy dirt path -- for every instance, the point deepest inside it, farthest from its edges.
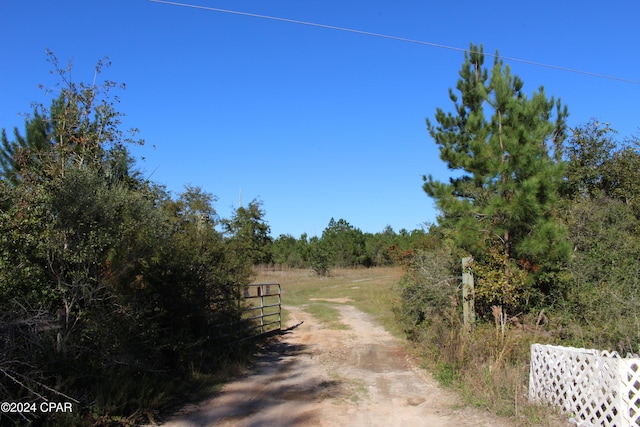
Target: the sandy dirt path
(314, 376)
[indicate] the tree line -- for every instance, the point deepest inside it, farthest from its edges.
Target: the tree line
(343, 245)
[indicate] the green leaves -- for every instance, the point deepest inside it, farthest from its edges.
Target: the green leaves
(248, 234)
(104, 274)
(499, 140)
(587, 152)
(344, 243)
(602, 293)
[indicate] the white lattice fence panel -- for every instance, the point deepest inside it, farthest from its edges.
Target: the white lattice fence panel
(597, 387)
(630, 388)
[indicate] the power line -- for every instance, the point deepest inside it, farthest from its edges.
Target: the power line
(396, 38)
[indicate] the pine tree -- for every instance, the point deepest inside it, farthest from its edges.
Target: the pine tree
(507, 147)
(17, 154)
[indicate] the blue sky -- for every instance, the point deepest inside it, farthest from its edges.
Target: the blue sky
(316, 123)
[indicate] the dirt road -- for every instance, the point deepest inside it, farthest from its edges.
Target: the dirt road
(313, 376)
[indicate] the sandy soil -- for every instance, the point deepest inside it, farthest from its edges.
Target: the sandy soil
(312, 376)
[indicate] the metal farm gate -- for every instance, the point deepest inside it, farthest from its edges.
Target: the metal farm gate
(260, 314)
(265, 308)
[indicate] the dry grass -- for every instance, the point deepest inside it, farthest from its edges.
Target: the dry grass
(489, 369)
(372, 290)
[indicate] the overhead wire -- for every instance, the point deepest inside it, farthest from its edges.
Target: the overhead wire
(396, 38)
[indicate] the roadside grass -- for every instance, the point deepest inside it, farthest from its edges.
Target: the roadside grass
(149, 398)
(488, 369)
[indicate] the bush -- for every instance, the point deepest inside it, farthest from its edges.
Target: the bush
(490, 365)
(107, 282)
(429, 286)
(600, 303)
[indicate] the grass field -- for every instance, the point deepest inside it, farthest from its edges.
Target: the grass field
(372, 290)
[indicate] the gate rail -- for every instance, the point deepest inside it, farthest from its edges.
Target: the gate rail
(269, 296)
(261, 316)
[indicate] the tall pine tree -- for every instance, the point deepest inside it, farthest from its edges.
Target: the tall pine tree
(17, 154)
(500, 208)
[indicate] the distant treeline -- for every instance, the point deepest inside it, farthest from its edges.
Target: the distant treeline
(343, 245)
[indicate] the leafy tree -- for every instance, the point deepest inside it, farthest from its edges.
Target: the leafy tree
(81, 128)
(622, 177)
(377, 246)
(587, 153)
(507, 147)
(344, 243)
(195, 279)
(289, 251)
(601, 211)
(248, 233)
(601, 300)
(320, 256)
(599, 165)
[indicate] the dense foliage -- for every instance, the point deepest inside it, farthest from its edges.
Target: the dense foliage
(551, 222)
(601, 211)
(108, 282)
(501, 208)
(551, 219)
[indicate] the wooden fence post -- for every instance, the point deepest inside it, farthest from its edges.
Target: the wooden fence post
(468, 310)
